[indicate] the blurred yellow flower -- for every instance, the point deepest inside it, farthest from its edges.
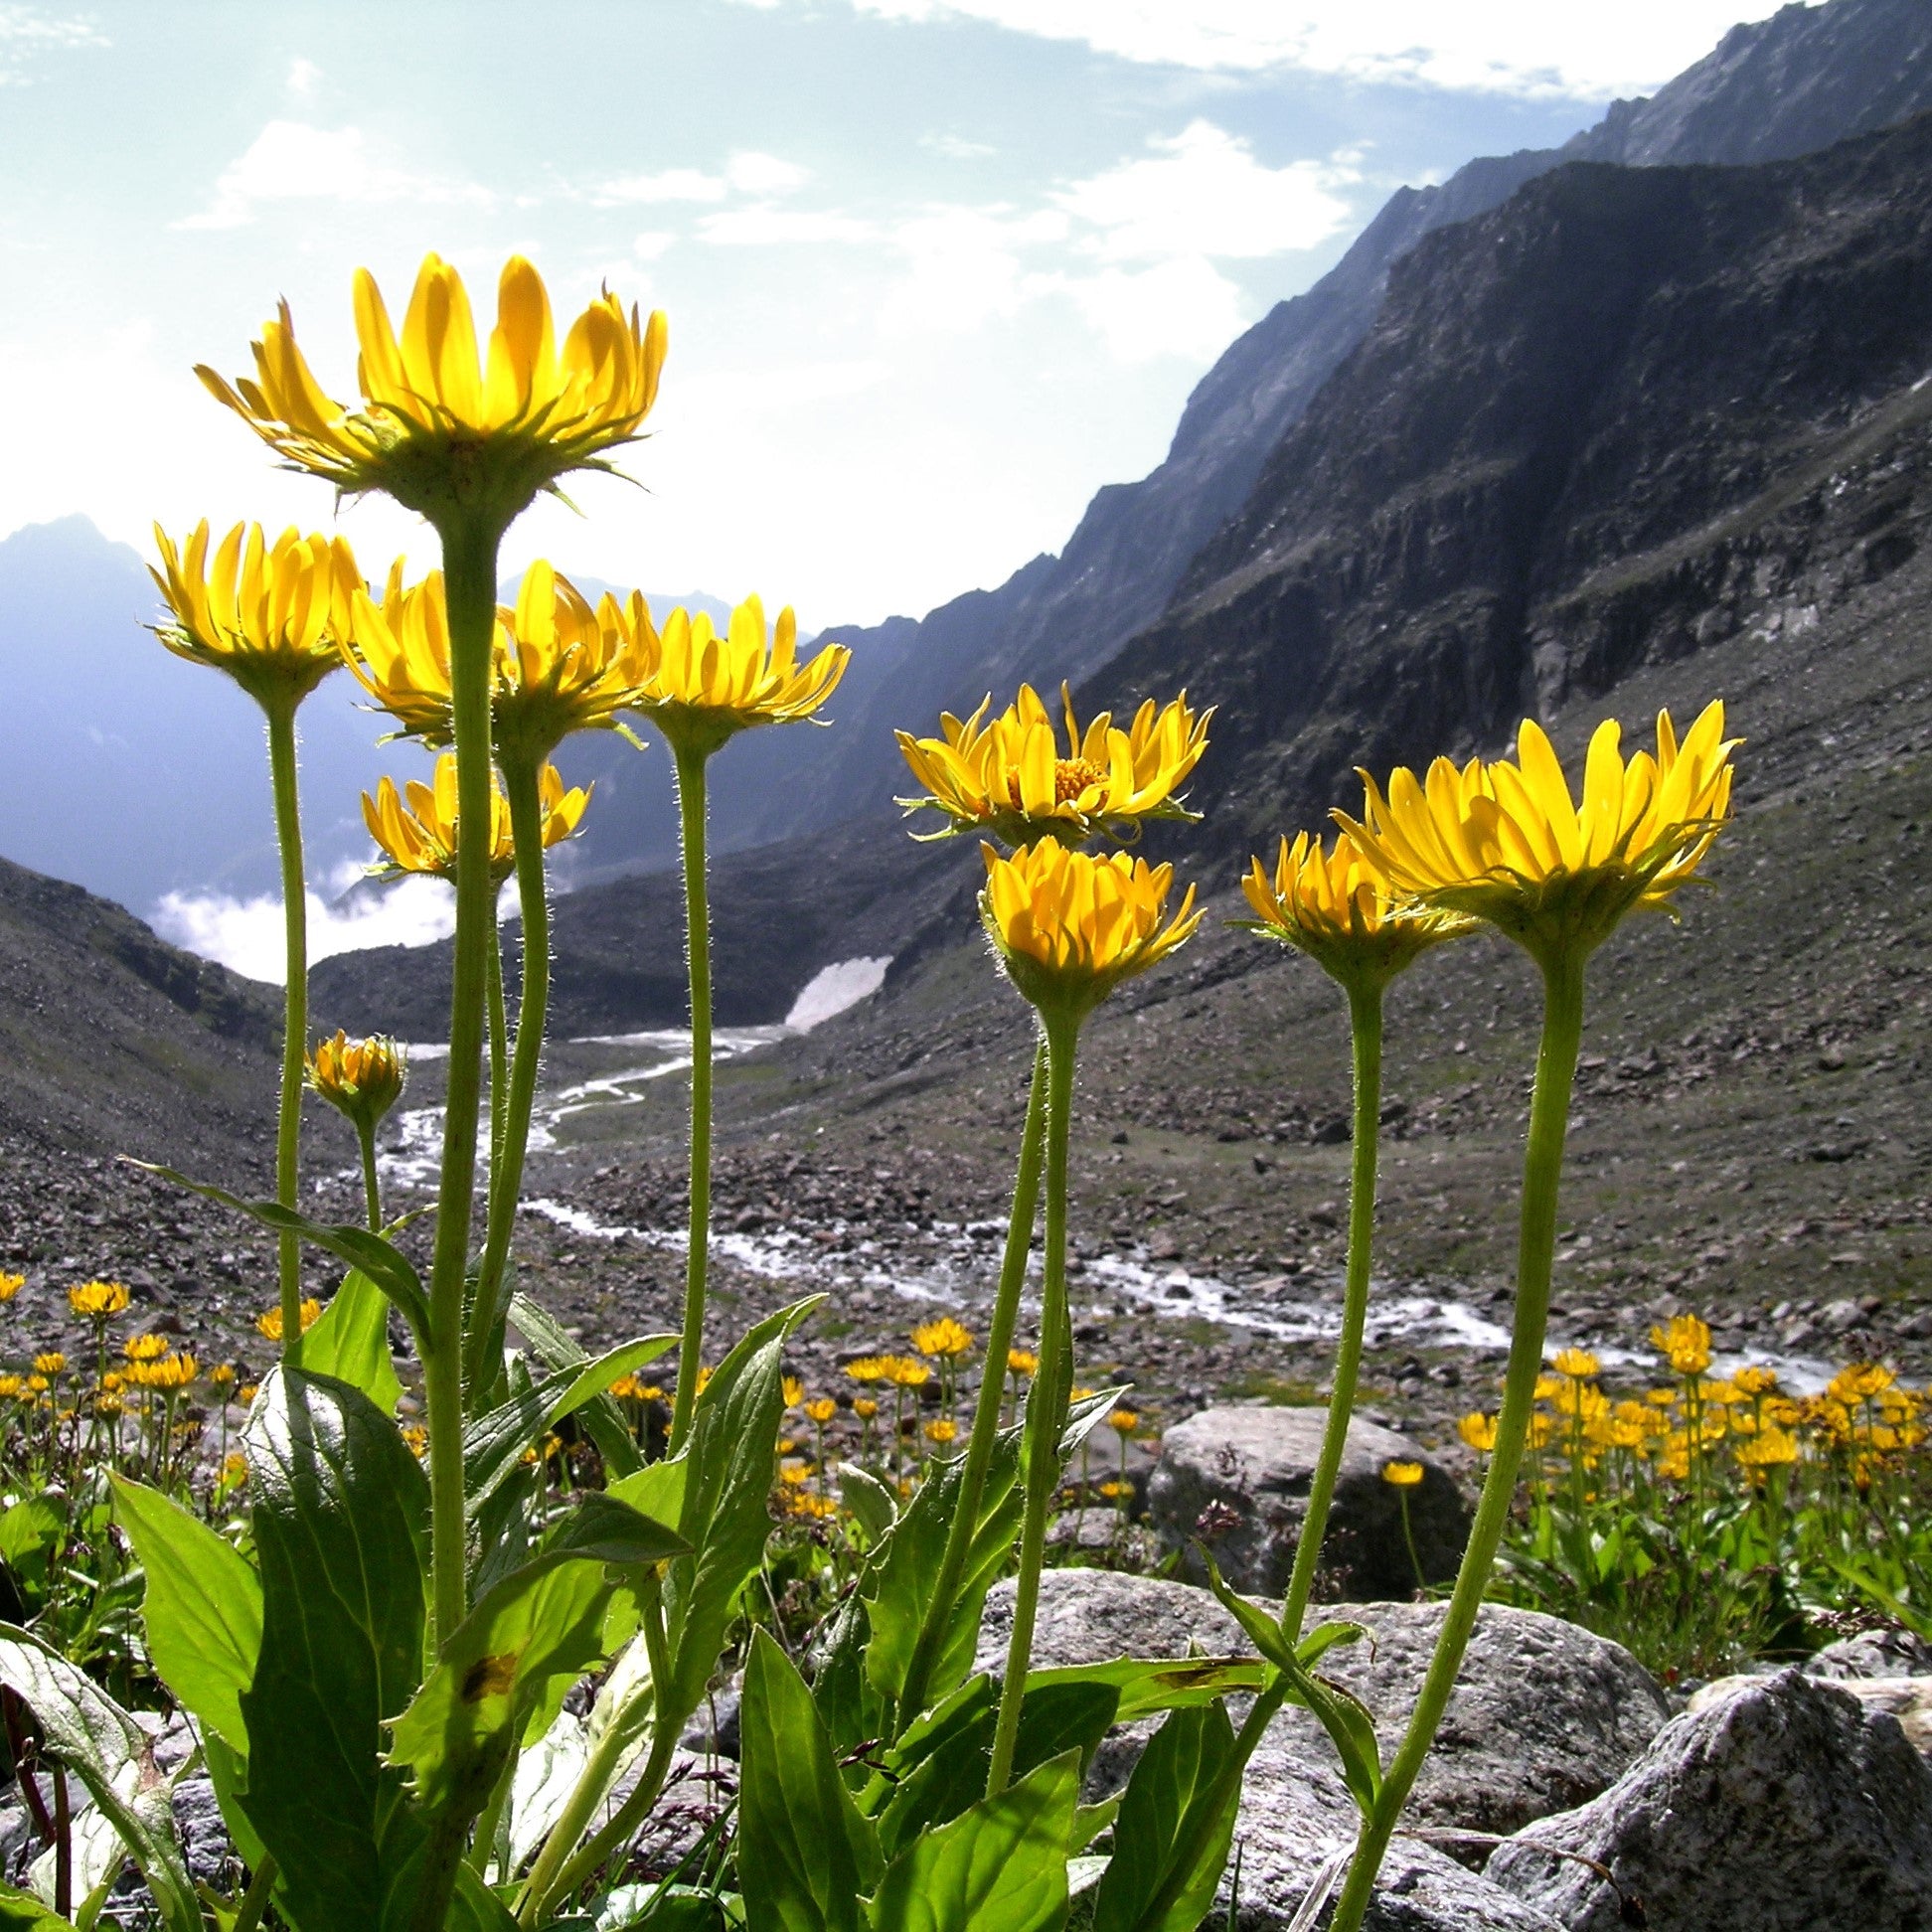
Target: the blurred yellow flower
(1685, 1343)
(1862, 1382)
(98, 1301)
(1578, 1363)
(49, 1363)
(942, 1431)
(1478, 1431)
(945, 1337)
(1401, 1475)
(793, 1390)
(362, 1078)
(234, 1468)
(1071, 927)
(1123, 1421)
(867, 1368)
(269, 1320)
(145, 1348)
(417, 1436)
(865, 1408)
(11, 1385)
(821, 1409)
(795, 1473)
(222, 1375)
(1010, 775)
(905, 1372)
(1755, 1380)
(421, 837)
(1505, 840)
(439, 424)
(170, 1373)
(10, 1285)
(1021, 1362)
(273, 617)
(1769, 1448)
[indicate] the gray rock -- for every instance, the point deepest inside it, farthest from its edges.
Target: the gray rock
(1236, 1480)
(1908, 1698)
(1086, 1616)
(204, 1842)
(1783, 1807)
(1872, 1654)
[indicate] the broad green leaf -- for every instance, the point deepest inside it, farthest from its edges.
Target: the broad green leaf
(1146, 1685)
(350, 1341)
(475, 1907)
(657, 1488)
(339, 1512)
(382, 1261)
(202, 1610)
(874, 1506)
(603, 1419)
(904, 1572)
(1324, 1638)
(227, 1772)
(85, 1729)
(21, 1913)
(728, 1459)
(30, 1526)
(546, 1621)
(804, 1853)
(851, 1709)
(1000, 1867)
(493, 1444)
(1087, 1414)
(1152, 1851)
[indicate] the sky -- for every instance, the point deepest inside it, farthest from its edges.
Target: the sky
(935, 270)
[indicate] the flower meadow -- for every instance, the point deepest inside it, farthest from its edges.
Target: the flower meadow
(440, 1661)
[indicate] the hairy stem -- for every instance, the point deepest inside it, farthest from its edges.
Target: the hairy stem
(986, 1414)
(1365, 1024)
(1537, 1243)
(499, 1048)
(288, 1128)
(1047, 1404)
(371, 1184)
(691, 819)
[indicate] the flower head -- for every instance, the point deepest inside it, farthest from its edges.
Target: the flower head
(269, 1320)
(867, 1368)
(1021, 1362)
(1071, 927)
(942, 1431)
(1401, 1475)
(904, 1373)
(98, 1301)
(704, 688)
(169, 1374)
(821, 1409)
(51, 1362)
(362, 1078)
(145, 1348)
(1577, 1363)
(419, 836)
(1755, 1380)
(10, 1285)
(1685, 1343)
(273, 617)
(1332, 905)
(865, 1408)
(945, 1337)
(1478, 1431)
(1504, 840)
(441, 426)
(1123, 1421)
(793, 1390)
(1013, 776)
(1769, 1448)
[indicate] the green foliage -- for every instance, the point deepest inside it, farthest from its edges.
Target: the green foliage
(349, 1340)
(1152, 1853)
(21, 1913)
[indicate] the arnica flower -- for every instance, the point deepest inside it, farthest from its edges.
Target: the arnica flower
(222, 1375)
(1012, 775)
(1021, 1362)
(1578, 1363)
(10, 1285)
(442, 425)
(865, 1408)
(1505, 842)
(362, 1078)
(168, 1376)
(145, 1348)
(49, 1363)
(98, 1301)
(821, 1409)
(1769, 1448)
(903, 1372)
(1071, 927)
(271, 615)
(1401, 1475)
(704, 688)
(1478, 1431)
(1334, 906)
(1685, 1343)
(420, 834)
(867, 1368)
(269, 1320)
(1755, 1380)
(1863, 1381)
(941, 1431)
(945, 1337)
(1123, 1421)
(794, 1390)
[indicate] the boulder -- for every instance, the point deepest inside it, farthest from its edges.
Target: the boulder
(1237, 1481)
(1908, 1698)
(1783, 1807)
(1872, 1654)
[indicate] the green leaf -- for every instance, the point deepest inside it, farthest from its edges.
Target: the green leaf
(603, 1419)
(904, 1572)
(729, 1460)
(339, 1512)
(1000, 1867)
(1324, 1638)
(21, 1913)
(1087, 1414)
(544, 1621)
(852, 1712)
(875, 1507)
(493, 1444)
(1146, 1685)
(383, 1262)
(1179, 1765)
(85, 1729)
(1341, 1715)
(804, 1853)
(203, 1608)
(31, 1526)
(350, 1341)
(475, 1907)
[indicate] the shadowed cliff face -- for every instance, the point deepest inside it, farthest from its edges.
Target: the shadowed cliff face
(1594, 428)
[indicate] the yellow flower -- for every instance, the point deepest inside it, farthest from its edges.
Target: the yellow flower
(867, 1368)
(1577, 1363)
(422, 836)
(49, 1363)
(10, 1285)
(1478, 1431)
(235, 1468)
(626, 1388)
(821, 1409)
(1115, 1488)
(1863, 1381)
(1011, 776)
(440, 425)
(945, 1337)
(269, 1320)
(11, 1386)
(793, 1390)
(1332, 905)
(273, 617)
(145, 1348)
(170, 1373)
(1755, 1380)
(1123, 1421)
(98, 1301)
(1401, 1475)
(361, 1077)
(1021, 1362)
(904, 1373)
(703, 688)
(943, 1431)
(222, 1375)
(1071, 927)
(1504, 841)
(865, 1408)
(417, 1436)
(1769, 1448)
(795, 1473)
(1684, 1341)
(246, 1393)
(398, 652)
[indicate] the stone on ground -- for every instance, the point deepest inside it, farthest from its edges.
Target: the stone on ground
(1237, 1481)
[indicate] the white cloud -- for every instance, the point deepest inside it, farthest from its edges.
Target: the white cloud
(1522, 47)
(293, 161)
(758, 227)
(746, 173)
(1181, 307)
(1203, 193)
(304, 77)
(27, 30)
(752, 173)
(651, 243)
(955, 149)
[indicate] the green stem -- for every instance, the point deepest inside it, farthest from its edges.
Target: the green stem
(254, 1901)
(691, 818)
(520, 793)
(1542, 1172)
(372, 1185)
(499, 1048)
(1365, 1025)
(469, 576)
(288, 1130)
(986, 1414)
(1047, 1404)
